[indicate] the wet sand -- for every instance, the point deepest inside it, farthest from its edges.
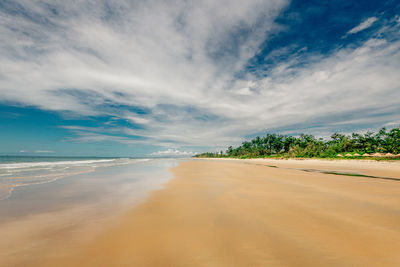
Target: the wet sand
(244, 213)
(55, 219)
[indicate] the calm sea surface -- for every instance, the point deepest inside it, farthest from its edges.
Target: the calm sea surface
(58, 204)
(31, 185)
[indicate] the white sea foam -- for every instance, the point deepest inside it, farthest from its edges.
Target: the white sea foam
(53, 163)
(28, 173)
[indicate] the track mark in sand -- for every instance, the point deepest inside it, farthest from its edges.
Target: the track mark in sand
(333, 172)
(351, 174)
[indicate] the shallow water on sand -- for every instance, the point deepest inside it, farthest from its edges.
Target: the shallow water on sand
(116, 185)
(26, 171)
(63, 213)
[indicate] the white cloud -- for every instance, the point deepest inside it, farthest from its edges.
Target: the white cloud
(363, 25)
(136, 119)
(36, 151)
(179, 63)
(172, 152)
(152, 52)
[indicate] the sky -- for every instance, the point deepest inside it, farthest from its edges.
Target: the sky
(176, 77)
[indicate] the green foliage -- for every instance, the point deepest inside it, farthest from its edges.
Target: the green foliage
(307, 146)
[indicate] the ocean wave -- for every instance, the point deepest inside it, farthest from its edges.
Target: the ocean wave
(13, 175)
(51, 163)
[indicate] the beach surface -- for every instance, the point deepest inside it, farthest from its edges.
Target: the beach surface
(257, 213)
(56, 217)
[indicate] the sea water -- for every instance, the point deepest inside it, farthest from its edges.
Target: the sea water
(25, 171)
(41, 184)
(61, 203)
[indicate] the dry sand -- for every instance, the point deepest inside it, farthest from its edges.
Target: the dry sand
(244, 213)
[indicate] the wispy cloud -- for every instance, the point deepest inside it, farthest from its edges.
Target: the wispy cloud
(36, 151)
(172, 152)
(363, 25)
(176, 75)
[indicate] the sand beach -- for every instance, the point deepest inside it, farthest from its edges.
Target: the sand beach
(199, 133)
(255, 213)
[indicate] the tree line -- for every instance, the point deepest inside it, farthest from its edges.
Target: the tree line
(384, 141)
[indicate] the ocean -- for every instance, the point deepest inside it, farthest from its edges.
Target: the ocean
(27, 174)
(50, 202)
(35, 185)
(26, 171)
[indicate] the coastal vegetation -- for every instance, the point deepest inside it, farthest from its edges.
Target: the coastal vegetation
(382, 144)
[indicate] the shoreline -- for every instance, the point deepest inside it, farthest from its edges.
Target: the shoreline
(54, 219)
(226, 213)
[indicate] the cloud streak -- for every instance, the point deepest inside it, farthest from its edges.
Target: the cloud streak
(176, 74)
(172, 152)
(363, 25)
(36, 151)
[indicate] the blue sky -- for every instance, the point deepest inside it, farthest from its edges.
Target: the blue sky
(140, 78)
